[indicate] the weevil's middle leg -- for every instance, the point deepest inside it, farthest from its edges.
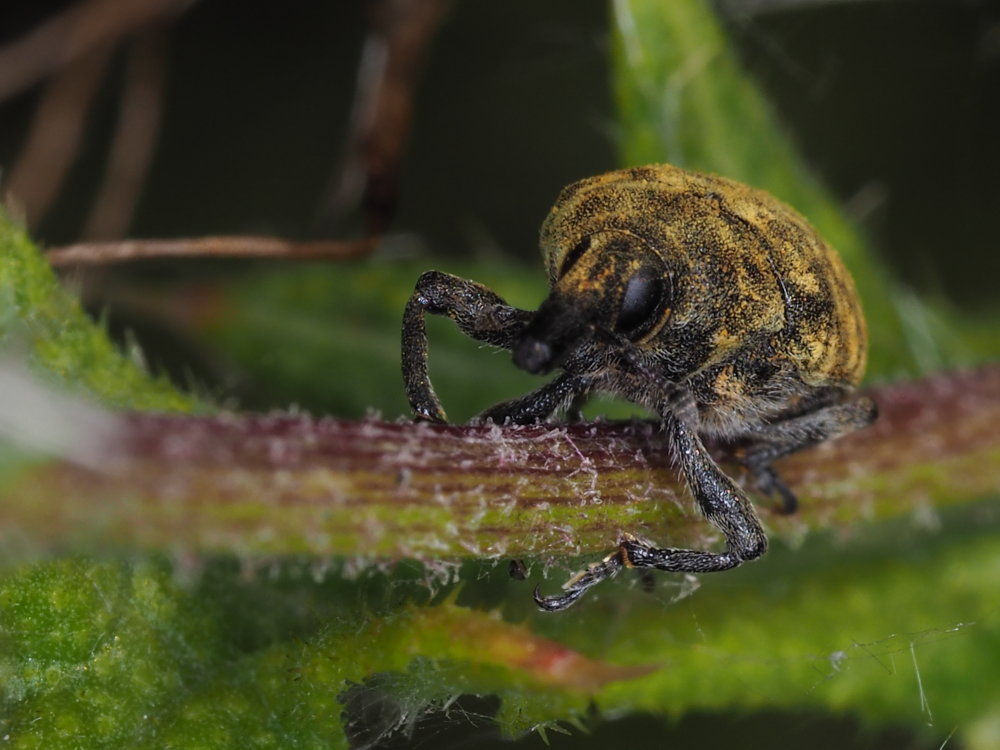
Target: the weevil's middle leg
(478, 311)
(541, 402)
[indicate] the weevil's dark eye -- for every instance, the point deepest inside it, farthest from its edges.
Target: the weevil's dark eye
(642, 302)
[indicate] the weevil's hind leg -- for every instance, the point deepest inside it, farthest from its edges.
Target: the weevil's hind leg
(476, 310)
(782, 437)
(721, 501)
(540, 403)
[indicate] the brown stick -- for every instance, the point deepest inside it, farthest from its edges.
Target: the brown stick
(105, 253)
(390, 65)
(72, 33)
(290, 484)
(56, 130)
(134, 139)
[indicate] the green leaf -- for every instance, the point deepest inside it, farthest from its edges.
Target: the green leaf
(902, 632)
(94, 655)
(327, 337)
(42, 320)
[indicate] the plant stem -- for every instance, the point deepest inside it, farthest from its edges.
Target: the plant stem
(288, 484)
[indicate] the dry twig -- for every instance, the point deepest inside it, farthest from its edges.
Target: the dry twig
(106, 253)
(134, 138)
(73, 33)
(390, 64)
(55, 134)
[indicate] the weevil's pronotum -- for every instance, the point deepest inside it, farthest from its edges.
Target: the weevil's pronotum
(710, 303)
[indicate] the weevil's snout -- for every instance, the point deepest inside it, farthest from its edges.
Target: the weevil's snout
(533, 355)
(553, 334)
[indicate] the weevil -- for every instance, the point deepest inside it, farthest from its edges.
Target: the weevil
(710, 303)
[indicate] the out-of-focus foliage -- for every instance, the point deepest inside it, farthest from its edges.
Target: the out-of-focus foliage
(282, 327)
(108, 655)
(98, 655)
(42, 320)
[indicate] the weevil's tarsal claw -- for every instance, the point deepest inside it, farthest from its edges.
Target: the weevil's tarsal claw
(434, 414)
(558, 602)
(789, 502)
(770, 483)
(580, 583)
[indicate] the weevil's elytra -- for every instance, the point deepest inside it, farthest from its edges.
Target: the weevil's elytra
(709, 302)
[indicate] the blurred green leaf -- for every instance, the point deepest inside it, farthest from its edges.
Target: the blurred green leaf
(327, 337)
(96, 655)
(43, 321)
(110, 655)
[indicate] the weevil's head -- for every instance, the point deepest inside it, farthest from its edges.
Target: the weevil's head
(608, 286)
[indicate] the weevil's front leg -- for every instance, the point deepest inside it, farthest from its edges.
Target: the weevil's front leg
(577, 586)
(540, 403)
(720, 500)
(478, 312)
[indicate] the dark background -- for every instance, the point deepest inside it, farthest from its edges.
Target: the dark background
(895, 104)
